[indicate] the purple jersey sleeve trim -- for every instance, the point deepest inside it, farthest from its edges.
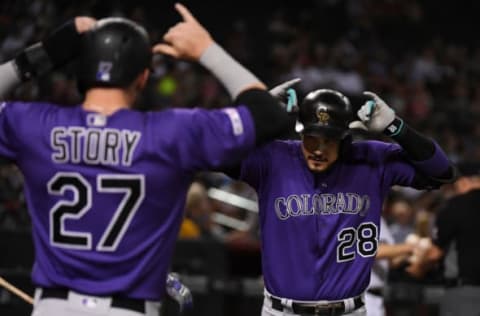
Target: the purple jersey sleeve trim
(436, 165)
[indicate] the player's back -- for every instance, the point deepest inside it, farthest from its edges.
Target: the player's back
(106, 193)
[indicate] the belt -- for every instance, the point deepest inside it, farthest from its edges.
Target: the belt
(377, 291)
(462, 282)
(132, 304)
(329, 309)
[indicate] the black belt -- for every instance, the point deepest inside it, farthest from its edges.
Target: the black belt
(330, 309)
(462, 282)
(132, 304)
(377, 291)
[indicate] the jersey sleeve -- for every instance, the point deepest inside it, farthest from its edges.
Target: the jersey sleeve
(255, 167)
(213, 139)
(10, 114)
(400, 170)
(397, 169)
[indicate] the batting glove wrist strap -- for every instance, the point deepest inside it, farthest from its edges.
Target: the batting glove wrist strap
(55, 51)
(32, 62)
(394, 128)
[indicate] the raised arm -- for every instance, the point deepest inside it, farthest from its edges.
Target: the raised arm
(56, 50)
(431, 162)
(189, 40)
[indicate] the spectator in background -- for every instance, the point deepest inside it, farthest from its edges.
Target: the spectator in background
(403, 219)
(198, 222)
(391, 255)
(457, 226)
(387, 252)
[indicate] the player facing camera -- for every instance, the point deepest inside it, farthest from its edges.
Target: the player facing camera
(325, 115)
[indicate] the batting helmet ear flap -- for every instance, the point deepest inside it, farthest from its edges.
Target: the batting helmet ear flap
(325, 112)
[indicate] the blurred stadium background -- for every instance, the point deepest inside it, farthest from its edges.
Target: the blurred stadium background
(422, 57)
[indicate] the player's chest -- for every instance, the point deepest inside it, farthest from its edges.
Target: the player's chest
(330, 195)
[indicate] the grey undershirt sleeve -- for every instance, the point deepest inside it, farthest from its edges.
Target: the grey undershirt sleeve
(228, 71)
(9, 78)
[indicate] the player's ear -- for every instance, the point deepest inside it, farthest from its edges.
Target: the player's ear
(141, 80)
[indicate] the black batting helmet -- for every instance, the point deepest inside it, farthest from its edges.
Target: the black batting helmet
(325, 112)
(113, 54)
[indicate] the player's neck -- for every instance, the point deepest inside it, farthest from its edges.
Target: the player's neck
(107, 100)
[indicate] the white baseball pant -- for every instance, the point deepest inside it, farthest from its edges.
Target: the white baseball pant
(84, 305)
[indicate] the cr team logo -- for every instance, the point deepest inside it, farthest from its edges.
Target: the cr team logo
(322, 115)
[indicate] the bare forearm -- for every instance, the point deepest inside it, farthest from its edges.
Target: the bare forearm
(386, 251)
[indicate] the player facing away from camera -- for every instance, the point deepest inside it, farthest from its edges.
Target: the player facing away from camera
(320, 200)
(106, 184)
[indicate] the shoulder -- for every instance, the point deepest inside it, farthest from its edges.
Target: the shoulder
(281, 147)
(31, 108)
(176, 118)
(178, 115)
(274, 152)
(372, 150)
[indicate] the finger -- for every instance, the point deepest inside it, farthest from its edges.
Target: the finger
(84, 23)
(370, 108)
(168, 37)
(357, 125)
(371, 95)
(292, 100)
(291, 83)
(362, 114)
(185, 13)
(298, 127)
(165, 49)
(281, 89)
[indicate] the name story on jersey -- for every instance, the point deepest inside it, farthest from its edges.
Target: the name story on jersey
(91, 145)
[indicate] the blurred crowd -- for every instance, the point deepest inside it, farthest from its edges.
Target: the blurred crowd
(429, 73)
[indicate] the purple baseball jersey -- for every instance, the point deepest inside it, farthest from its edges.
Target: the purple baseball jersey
(320, 230)
(106, 194)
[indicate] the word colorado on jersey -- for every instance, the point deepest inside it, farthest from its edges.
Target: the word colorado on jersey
(321, 204)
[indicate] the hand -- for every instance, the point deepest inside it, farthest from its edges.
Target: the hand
(421, 245)
(187, 39)
(84, 23)
(179, 292)
(375, 114)
(286, 95)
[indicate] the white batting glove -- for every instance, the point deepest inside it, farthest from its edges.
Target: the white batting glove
(179, 292)
(375, 115)
(288, 98)
(287, 95)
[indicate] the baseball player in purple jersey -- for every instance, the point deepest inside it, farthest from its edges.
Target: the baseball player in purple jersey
(106, 185)
(320, 201)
